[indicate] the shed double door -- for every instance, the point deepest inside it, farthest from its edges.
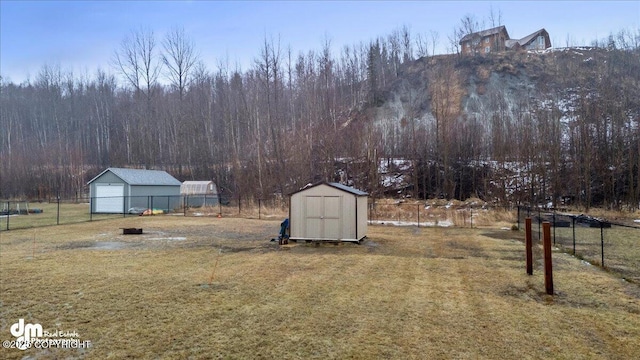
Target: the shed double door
(323, 217)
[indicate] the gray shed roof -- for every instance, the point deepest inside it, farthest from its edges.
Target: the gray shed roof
(338, 186)
(349, 189)
(142, 177)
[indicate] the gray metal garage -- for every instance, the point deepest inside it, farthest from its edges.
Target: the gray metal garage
(118, 190)
(329, 212)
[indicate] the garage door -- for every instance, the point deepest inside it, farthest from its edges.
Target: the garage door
(109, 198)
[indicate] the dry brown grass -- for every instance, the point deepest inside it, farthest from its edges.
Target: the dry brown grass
(405, 293)
(620, 216)
(440, 212)
(248, 209)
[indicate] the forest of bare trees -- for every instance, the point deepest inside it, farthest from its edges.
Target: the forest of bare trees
(294, 118)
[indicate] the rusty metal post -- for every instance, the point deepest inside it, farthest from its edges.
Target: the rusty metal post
(548, 267)
(528, 245)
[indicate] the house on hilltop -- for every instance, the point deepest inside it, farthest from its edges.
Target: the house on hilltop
(485, 41)
(497, 39)
(538, 40)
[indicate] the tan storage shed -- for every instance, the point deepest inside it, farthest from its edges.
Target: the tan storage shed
(328, 212)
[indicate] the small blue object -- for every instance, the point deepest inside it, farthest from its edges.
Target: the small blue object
(284, 226)
(283, 236)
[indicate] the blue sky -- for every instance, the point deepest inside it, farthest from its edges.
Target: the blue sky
(82, 35)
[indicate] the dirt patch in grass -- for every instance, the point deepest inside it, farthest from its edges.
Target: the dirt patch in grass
(226, 291)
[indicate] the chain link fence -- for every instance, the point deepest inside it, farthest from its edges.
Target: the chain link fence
(248, 208)
(437, 213)
(28, 214)
(611, 245)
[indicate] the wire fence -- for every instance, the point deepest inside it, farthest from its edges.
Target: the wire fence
(275, 207)
(611, 245)
(444, 214)
(58, 211)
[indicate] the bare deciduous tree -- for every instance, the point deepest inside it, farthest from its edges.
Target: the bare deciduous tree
(179, 58)
(137, 60)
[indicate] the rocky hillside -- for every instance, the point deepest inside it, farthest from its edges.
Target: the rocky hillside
(546, 126)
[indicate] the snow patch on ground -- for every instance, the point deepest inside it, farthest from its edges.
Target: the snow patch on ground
(108, 245)
(444, 223)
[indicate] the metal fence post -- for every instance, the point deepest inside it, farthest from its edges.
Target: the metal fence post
(90, 209)
(418, 215)
(58, 211)
(548, 267)
(602, 243)
(554, 226)
(371, 211)
(259, 206)
(471, 216)
(8, 213)
(539, 224)
(573, 221)
(528, 244)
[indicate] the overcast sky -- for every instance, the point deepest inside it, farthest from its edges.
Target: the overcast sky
(82, 35)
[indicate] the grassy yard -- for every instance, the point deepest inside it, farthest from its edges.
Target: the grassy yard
(51, 215)
(621, 247)
(217, 288)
